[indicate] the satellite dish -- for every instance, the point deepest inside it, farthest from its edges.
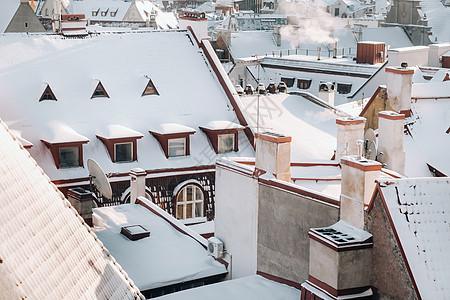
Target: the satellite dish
(370, 144)
(99, 179)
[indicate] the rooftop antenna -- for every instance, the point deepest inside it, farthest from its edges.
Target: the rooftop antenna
(99, 179)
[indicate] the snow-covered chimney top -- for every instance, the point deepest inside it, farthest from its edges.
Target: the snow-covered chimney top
(390, 140)
(399, 84)
(350, 129)
(273, 155)
(357, 185)
(326, 92)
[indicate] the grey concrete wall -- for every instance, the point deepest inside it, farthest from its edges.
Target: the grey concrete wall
(284, 220)
(25, 15)
(389, 273)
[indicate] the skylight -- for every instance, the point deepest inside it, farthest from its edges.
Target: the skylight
(48, 94)
(150, 89)
(100, 91)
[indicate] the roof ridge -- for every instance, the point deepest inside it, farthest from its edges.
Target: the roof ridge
(136, 291)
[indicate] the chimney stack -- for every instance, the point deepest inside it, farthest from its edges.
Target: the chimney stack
(81, 200)
(137, 184)
(350, 130)
(357, 185)
(390, 140)
(273, 155)
(326, 92)
(399, 85)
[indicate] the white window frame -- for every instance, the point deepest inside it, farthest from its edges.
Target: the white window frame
(115, 153)
(184, 203)
(172, 141)
(220, 148)
(78, 157)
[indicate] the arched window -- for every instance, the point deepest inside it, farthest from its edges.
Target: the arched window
(190, 202)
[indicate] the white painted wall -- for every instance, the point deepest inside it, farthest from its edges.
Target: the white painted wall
(200, 27)
(436, 50)
(390, 141)
(236, 223)
(399, 86)
(414, 56)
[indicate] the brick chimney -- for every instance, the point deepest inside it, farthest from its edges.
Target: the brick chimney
(273, 155)
(390, 140)
(358, 177)
(349, 131)
(81, 200)
(399, 85)
(137, 184)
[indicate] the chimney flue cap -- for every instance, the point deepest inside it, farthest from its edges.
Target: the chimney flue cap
(404, 65)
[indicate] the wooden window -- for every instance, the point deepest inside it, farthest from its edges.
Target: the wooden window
(48, 94)
(303, 84)
(190, 202)
(123, 152)
(289, 81)
(226, 142)
(150, 89)
(177, 147)
(344, 88)
(100, 91)
(69, 157)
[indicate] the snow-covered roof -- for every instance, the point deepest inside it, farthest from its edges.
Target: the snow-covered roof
(124, 63)
(61, 133)
(437, 14)
(216, 125)
(249, 288)
(427, 141)
(170, 128)
(118, 131)
(164, 258)
(395, 37)
(47, 251)
(311, 126)
(7, 11)
(86, 7)
(420, 212)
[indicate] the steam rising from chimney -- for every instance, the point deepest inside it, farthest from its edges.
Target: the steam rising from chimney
(313, 23)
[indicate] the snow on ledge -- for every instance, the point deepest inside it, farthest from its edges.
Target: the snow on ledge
(169, 128)
(218, 125)
(114, 131)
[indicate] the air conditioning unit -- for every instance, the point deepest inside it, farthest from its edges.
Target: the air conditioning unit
(215, 247)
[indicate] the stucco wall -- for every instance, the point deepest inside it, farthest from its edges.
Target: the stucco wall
(389, 273)
(284, 220)
(236, 219)
(380, 103)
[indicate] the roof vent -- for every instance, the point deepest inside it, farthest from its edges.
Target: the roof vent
(135, 232)
(404, 65)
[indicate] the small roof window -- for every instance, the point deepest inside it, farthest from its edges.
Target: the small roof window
(100, 91)
(48, 94)
(135, 232)
(150, 89)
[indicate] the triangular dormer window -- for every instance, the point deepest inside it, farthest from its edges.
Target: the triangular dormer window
(100, 91)
(48, 94)
(150, 89)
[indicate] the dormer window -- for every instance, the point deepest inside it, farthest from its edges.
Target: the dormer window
(150, 89)
(113, 12)
(48, 94)
(66, 147)
(174, 139)
(121, 143)
(104, 12)
(100, 91)
(95, 12)
(223, 135)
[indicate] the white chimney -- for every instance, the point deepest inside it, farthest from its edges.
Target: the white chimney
(326, 92)
(399, 84)
(390, 140)
(350, 129)
(357, 185)
(137, 184)
(273, 155)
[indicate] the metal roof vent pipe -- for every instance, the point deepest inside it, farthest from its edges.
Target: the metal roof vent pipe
(335, 50)
(318, 53)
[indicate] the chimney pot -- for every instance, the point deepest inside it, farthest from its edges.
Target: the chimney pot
(137, 184)
(81, 200)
